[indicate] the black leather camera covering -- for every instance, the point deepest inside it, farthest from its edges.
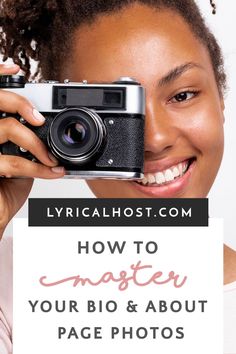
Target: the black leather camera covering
(125, 143)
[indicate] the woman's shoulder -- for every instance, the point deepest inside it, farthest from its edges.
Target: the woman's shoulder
(6, 294)
(6, 274)
(229, 265)
(6, 246)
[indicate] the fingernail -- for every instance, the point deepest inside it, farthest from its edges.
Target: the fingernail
(38, 116)
(10, 66)
(52, 157)
(57, 169)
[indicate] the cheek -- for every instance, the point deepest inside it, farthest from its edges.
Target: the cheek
(205, 131)
(207, 137)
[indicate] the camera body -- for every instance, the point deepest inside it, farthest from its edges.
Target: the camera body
(94, 130)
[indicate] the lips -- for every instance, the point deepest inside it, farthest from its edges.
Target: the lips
(167, 179)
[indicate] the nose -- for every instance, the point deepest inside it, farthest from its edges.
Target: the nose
(161, 134)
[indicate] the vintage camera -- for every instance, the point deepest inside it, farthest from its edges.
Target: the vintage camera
(94, 130)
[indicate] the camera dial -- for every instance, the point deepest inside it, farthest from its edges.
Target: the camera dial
(12, 81)
(124, 80)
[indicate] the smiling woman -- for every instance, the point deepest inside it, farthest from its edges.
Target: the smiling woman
(184, 104)
(166, 46)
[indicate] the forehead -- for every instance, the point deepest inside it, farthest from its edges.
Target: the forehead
(137, 41)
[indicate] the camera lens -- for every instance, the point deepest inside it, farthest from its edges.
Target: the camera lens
(76, 135)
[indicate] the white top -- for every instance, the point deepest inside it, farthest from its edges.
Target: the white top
(6, 304)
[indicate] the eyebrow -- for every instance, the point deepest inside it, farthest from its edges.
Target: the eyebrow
(172, 75)
(177, 72)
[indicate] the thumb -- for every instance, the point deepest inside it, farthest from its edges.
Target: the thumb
(9, 69)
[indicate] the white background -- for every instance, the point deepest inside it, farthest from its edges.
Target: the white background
(224, 191)
(184, 254)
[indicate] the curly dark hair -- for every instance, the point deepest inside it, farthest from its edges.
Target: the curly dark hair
(41, 29)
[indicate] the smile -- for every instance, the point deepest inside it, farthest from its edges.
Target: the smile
(168, 182)
(166, 176)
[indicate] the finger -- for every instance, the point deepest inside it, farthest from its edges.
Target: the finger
(11, 102)
(9, 69)
(14, 166)
(12, 130)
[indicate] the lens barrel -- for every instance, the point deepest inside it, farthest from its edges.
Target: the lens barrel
(76, 135)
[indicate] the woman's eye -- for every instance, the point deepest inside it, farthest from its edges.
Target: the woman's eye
(183, 96)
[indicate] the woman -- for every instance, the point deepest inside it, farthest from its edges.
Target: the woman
(165, 45)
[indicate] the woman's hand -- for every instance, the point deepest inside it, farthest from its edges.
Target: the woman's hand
(14, 191)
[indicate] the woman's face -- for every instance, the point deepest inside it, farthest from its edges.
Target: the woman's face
(184, 111)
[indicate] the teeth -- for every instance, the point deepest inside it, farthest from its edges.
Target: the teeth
(176, 172)
(180, 167)
(151, 178)
(144, 181)
(169, 176)
(160, 178)
(165, 176)
(185, 167)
